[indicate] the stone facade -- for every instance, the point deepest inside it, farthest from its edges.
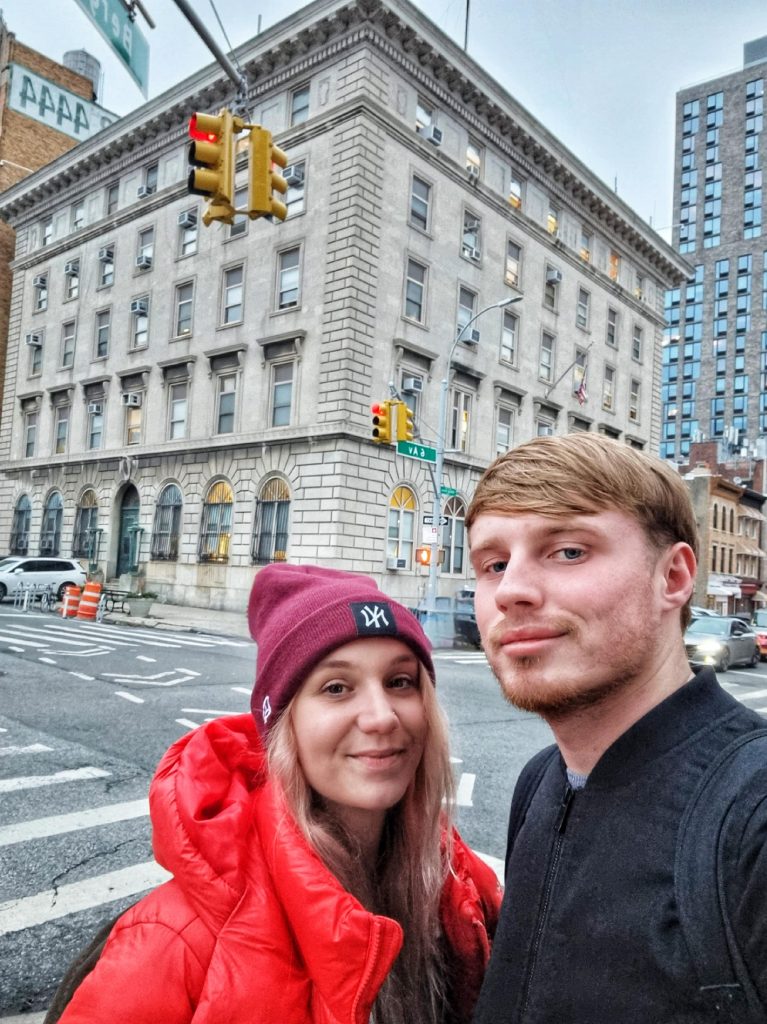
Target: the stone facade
(233, 369)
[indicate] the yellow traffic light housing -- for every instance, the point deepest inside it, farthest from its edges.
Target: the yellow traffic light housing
(211, 156)
(264, 181)
(405, 424)
(381, 422)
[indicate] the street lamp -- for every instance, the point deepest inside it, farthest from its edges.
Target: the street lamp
(431, 590)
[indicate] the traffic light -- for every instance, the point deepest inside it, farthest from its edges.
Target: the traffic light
(423, 556)
(211, 155)
(264, 180)
(381, 420)
(405, 425)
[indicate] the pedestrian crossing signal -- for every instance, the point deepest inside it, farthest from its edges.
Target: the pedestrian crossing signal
(423, 556)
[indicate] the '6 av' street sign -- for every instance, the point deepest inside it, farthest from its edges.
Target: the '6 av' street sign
(111, 19)
(413, 450)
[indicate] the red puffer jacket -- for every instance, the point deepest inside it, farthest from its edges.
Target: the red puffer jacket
(253, 929)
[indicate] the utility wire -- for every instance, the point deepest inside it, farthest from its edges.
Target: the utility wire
(226, 37)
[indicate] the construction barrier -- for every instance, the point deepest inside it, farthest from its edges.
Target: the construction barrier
(89, 601)
(71, 601)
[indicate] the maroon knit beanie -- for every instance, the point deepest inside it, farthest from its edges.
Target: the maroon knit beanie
(299, 613)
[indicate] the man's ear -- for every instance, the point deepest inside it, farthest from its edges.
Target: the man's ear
(677, 567)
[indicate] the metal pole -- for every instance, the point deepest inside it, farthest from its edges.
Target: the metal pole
(202, 31)
(431, 589)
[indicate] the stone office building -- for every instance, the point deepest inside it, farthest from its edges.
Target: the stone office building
(184, 404)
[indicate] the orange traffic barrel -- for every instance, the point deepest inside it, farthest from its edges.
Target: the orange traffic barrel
(89, 601)
(71, 601)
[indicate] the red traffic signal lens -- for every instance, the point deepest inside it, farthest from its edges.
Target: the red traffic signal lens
(377, 409)
(198, 134)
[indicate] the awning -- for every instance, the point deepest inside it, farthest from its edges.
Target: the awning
(717, 590)
(761, 596)
(751, 513)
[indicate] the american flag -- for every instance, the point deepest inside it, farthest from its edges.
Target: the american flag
(581, 393)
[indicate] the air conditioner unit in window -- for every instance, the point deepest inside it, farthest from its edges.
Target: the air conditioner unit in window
(139, 306)
(432, 134)
(607, 402)
(396, 563)
(106, 255)
(72, 268)
(132, 399)
(471, 337)
(188, 219)
(41, 281)
(294, 174)
(471, 252)
(34, 340)
(143, 262)
(95, 408)
(553, 276)
(143, 191)
(412, 385)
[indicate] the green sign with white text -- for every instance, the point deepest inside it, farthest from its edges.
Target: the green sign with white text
(413, 450)
(111, 19)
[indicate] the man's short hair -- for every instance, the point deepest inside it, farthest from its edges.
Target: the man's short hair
(582, 474)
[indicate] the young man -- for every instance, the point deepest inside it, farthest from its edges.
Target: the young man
(585, 555)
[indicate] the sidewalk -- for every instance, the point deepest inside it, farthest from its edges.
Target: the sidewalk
(183, 618)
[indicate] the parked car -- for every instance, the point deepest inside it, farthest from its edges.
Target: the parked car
(759, 626)
(465, 620)
(18, 570)
(721, 641)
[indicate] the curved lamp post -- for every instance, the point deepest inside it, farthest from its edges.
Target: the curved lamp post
(431, 591)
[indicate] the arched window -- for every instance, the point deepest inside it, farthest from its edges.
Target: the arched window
(50, 532)
(166, 529)
(732, 520)
(86, 524)
(453, 534)
(22, 514)
(401, 528)
(216, 526)
(716, 516)
(270, 532)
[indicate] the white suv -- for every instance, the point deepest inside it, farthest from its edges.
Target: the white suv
(20, 571)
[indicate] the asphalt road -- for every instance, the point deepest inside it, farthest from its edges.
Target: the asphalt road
(86, 711)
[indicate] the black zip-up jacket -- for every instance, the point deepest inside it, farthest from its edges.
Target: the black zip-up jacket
(589, 930)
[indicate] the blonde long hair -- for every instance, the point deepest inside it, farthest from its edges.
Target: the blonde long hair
(414, 860)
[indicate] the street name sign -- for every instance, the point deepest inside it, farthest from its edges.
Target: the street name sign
(448, 492)
(112, 20)
(429, 520)
(413, 450)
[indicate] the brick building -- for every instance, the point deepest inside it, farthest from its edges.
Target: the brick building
(185, 404)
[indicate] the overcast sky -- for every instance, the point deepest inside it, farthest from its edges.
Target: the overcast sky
(600, 74)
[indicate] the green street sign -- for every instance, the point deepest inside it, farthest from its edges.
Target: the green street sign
(111, 19)
(448, 492)
(413, 450)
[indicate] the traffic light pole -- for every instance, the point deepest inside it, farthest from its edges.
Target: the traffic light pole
(202, 31)
(431, 589)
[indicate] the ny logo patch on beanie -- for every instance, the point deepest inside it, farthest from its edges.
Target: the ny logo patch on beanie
(373, 618)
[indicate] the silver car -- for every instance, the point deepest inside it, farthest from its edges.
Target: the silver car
(721, 641)
(22, 571)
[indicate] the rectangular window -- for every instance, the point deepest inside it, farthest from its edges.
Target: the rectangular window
(504, 430)
(509, 337)
(471, 239)
(608, 384)
(184, 302)
(295, 175)
(61, 429)
(112, 199)
(72, 279)
(41, 292)
(467, 307)
(612, 327)
(103, 328)
(77, 215)
(177, 410)
(424, 113)
(282, 393)
(551, 288)
(415, 291)
(187, 232)
(233, 295)
(95, 424)
(227, 392)
(634, 393)
(133, 419)
(140, 323)
(515, 192)
(240, 224)
(585, 250)
(151, 177)
(552, 220)
(30, 433)
(106, 266)
(473, 159)
(546, 357)
(582, 311)
(289, 281)
(420, 199)
(145, 251)
(460, 419)
(614, 266)
(46, 231)
(299, 105)
(68, 344)
(636, 343)
(36, 356)
(513, 264)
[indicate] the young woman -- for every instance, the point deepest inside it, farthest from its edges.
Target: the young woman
(316, 877)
